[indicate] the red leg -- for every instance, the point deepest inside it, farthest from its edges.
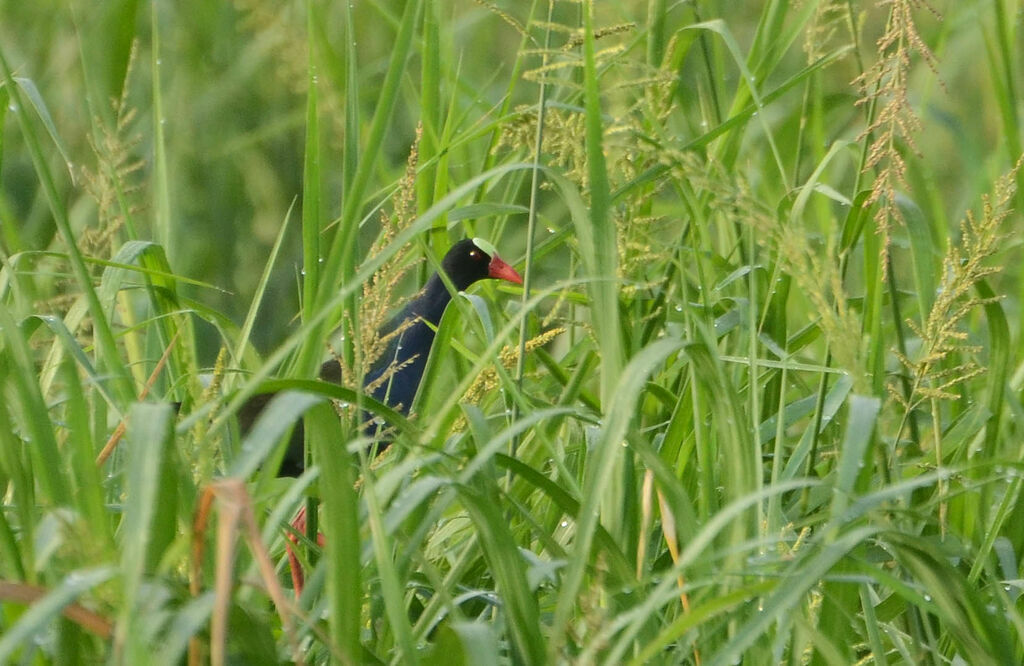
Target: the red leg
(299, 525)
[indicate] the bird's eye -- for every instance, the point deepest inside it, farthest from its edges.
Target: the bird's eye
(474, 254)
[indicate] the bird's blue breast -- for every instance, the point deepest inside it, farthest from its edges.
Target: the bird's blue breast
(408, 352)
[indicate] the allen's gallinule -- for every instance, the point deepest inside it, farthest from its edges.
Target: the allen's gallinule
(395, 375)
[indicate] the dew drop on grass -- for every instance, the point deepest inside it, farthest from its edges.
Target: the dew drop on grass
(565, 523)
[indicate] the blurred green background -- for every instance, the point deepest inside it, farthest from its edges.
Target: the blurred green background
(233, 82)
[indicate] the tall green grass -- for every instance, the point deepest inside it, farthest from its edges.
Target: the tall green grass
(756, 403)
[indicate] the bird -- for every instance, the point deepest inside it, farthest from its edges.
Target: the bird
(405, 357)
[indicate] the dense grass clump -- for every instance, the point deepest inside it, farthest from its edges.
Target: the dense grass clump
(756, 402)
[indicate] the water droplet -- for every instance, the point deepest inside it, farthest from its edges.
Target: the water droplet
(927, 597)
(565, 523)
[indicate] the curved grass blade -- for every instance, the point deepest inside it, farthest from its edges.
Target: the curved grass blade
(36, 620)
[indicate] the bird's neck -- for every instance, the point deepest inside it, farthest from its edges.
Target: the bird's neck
(430, 304)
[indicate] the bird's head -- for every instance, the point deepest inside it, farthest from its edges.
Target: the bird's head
(475, 259)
